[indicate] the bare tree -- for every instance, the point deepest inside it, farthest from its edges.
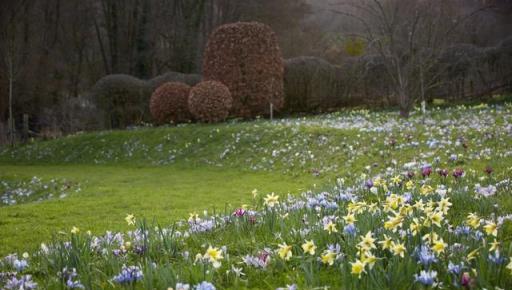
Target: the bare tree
(409, 36)
(11, 53)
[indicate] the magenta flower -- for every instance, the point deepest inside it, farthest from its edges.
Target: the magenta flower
(239, 212)
(426, 171)
(443, 172)
(458, 172)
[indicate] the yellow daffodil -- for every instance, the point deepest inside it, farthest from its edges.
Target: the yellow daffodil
(271, 200)
(369, 259)
(444, 205)
(415, 227)
(426, 189)
(193, 216)
(284, 251)
(330, 227)
(435, 218)
(491, 229)
(75, 230)
(472, 255)
(367, 242)
(430, 238)
(419, 205)
(396, 180)
(394, 223)
(509, 266)
(130, 219)
(386, 243)
(309, 247)
(350, 218)
(358, 268)
(214, 255)
(438, 246)
(378, 182)
(495, 246)
(254, 193)
(473, 220)
(328, 257)
(398, 249)
(409, 185)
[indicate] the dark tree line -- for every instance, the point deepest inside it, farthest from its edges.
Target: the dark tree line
(53, 51)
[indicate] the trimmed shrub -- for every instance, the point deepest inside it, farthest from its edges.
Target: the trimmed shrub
(121, 99)
(189, 79)
(210, 101)
(168, 103)
(246, 57)
(310, 84)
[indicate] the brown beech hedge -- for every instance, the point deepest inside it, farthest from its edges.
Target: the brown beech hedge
(169, 103)
(210, 101)
(246, 57)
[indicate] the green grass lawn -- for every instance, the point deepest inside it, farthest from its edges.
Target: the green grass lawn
(108, 193)
(162, 174)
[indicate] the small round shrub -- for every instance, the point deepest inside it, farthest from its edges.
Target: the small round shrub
(246, 57)
(210, 101)
(121, 100)
(168, 103)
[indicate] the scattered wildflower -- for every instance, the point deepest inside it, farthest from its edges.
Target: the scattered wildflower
(271, 200)
(309, 247)
(358, 268)
(367, 241)
(330, 227)
(214, 255)
(128, 275)
(509, 266)
(205, 286)
(182, 286)
(427, 278)
(24, 283)
(491, 229)
(350, 229)
(75, 230)
(439, 246)
(398, 249)
(386, 243)
(285, 251)
(328, 257)
(425, 256)
(130, 219)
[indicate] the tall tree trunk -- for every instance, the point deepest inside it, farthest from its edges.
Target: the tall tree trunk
(11, 119)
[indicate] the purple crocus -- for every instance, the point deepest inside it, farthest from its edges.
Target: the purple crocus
(426, 171)
(458, 172)
(443, 172)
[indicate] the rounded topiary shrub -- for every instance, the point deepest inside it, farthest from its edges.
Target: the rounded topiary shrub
(121, 100)
(168, 103)
(210, 101)
(246, 57)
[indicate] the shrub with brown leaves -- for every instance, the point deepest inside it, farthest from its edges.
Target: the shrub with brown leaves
(246, 57)
(210, 101)
(168, 103)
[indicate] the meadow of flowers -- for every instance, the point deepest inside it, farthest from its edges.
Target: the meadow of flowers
(15, 191)
(417, 204)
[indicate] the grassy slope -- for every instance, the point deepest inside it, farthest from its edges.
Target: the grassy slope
(154, 172)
